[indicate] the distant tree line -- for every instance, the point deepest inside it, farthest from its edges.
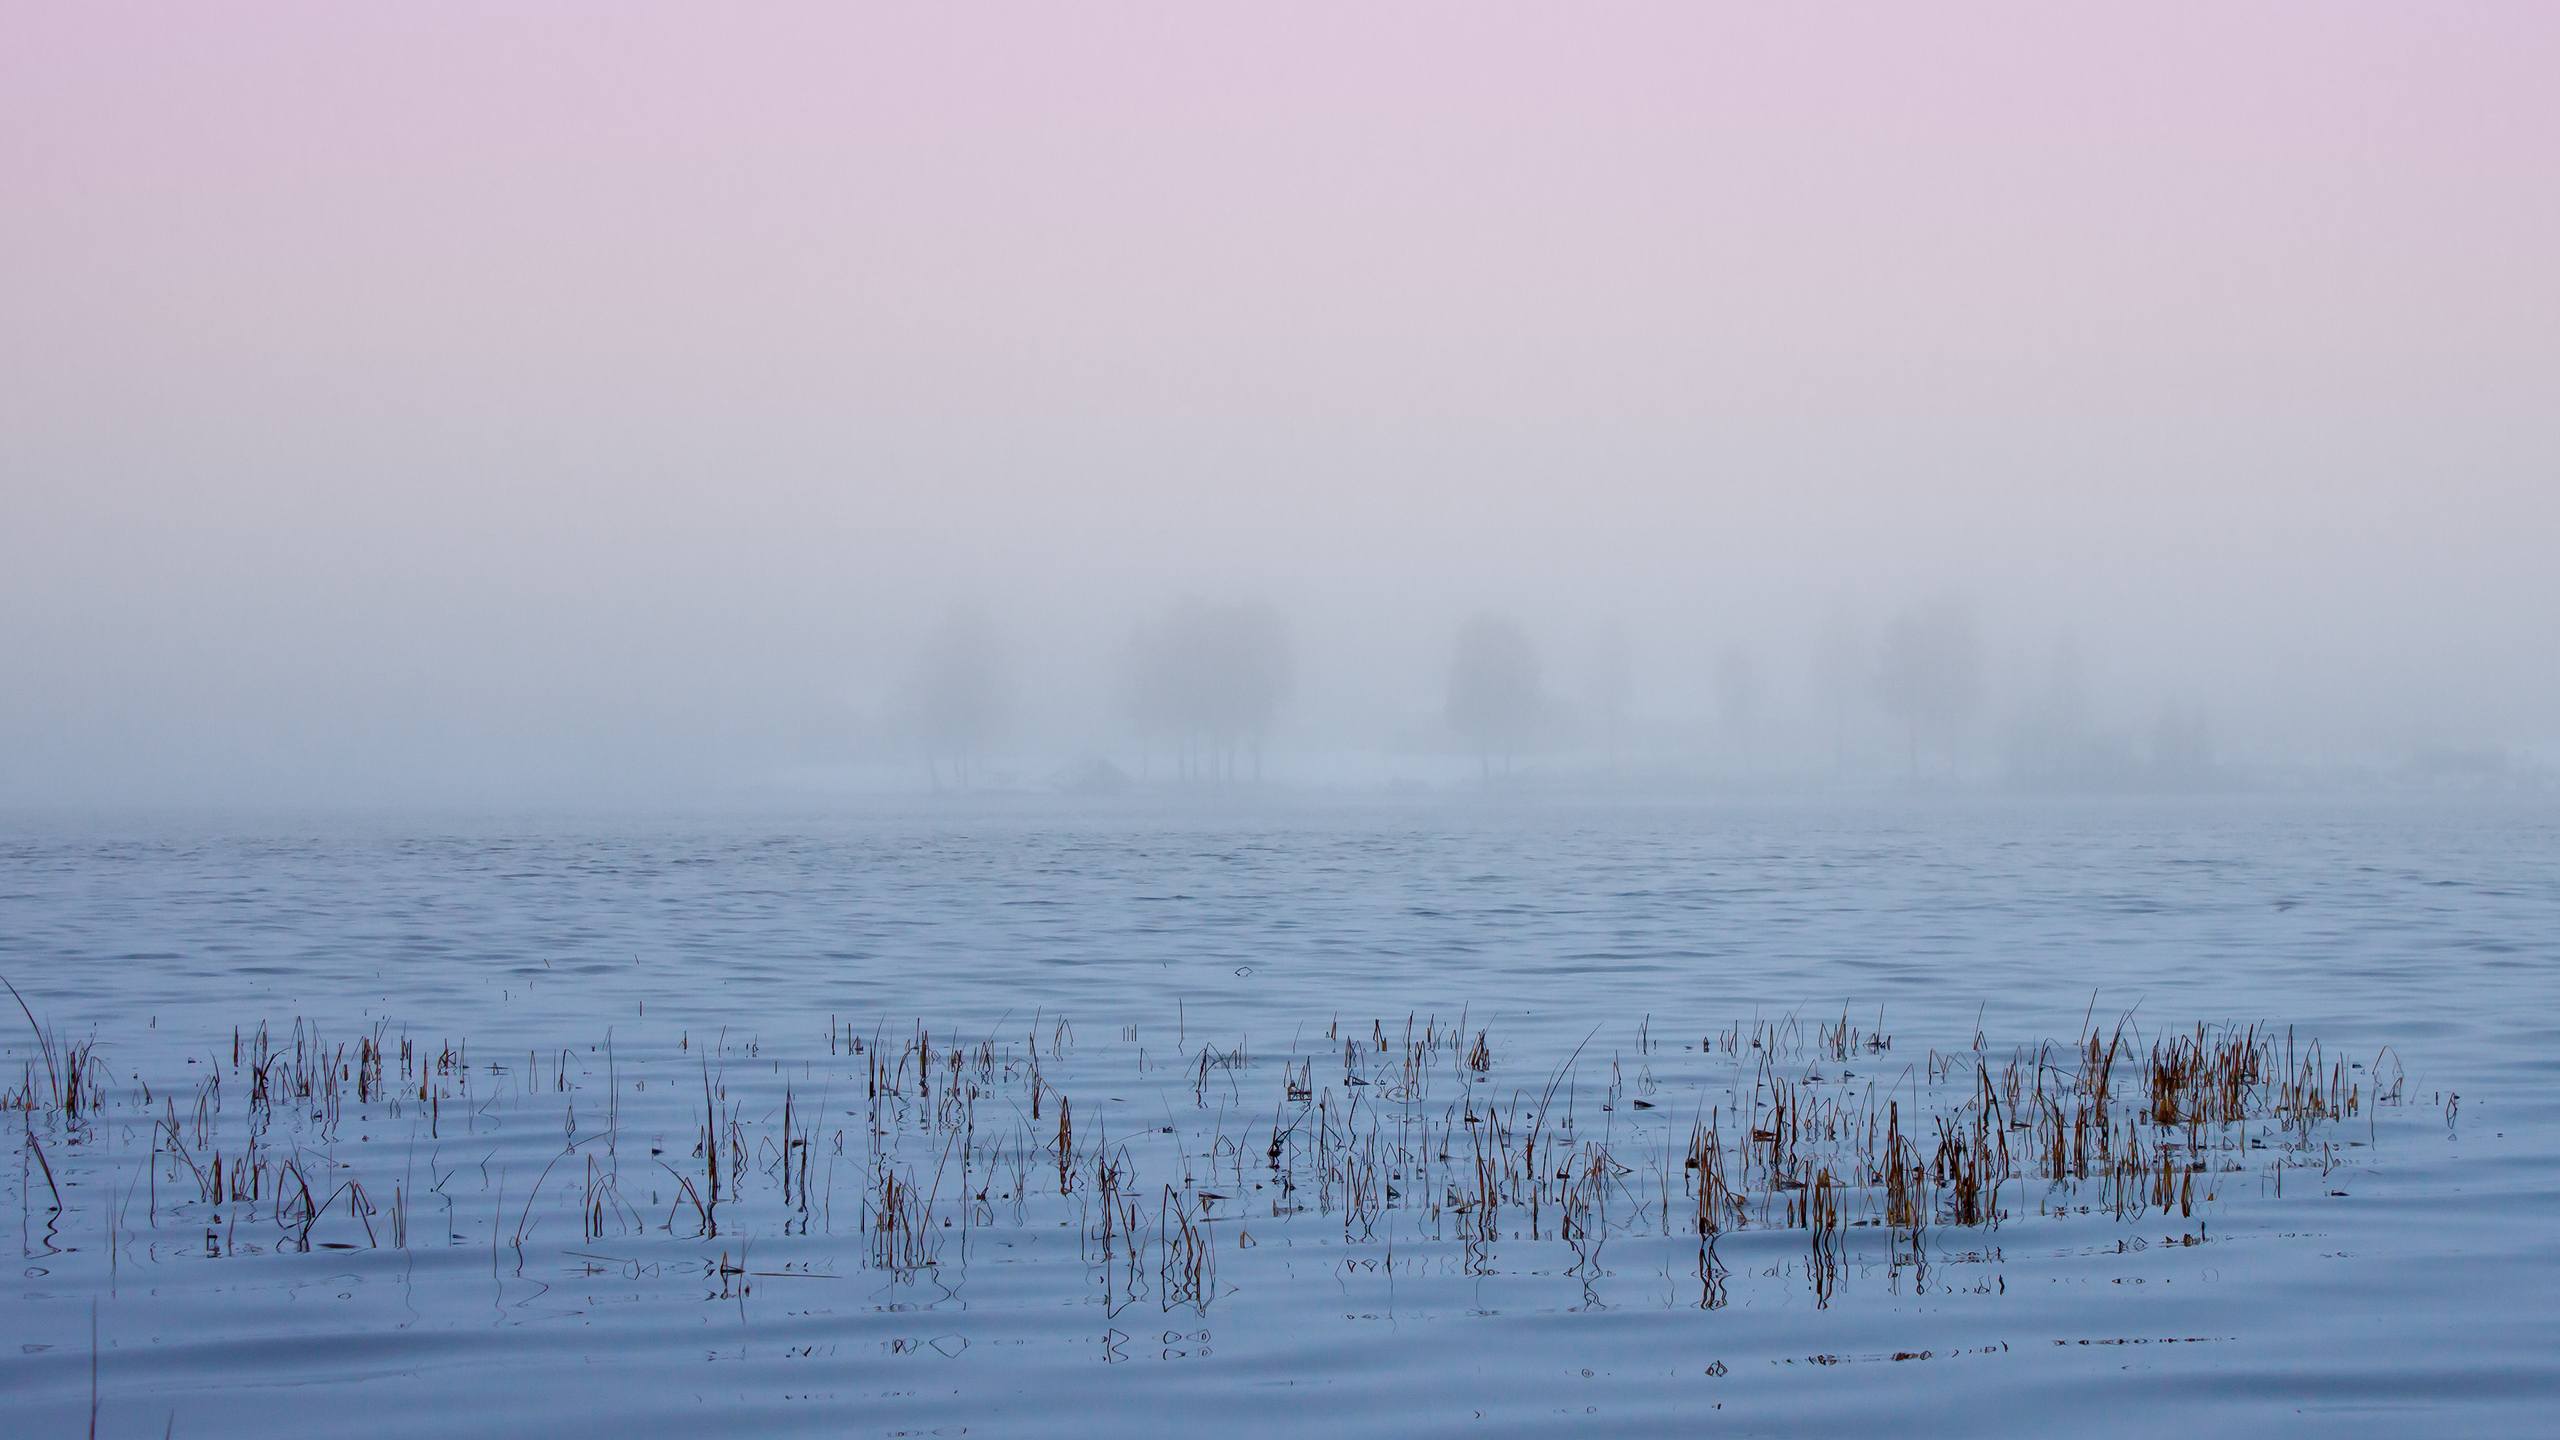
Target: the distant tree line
(1202, 684)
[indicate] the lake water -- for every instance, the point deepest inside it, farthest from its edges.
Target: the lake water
(472, 1192)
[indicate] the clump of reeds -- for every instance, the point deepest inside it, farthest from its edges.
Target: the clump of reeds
(1811, 1146)
(1720, 1207)
(1187, 1263)
(899, 1220)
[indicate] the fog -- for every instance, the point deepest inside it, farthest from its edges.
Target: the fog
(627, 406)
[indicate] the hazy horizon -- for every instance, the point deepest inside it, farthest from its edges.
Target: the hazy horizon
(611, 401)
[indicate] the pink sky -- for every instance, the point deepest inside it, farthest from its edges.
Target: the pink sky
(1591, 209)
(369, 297)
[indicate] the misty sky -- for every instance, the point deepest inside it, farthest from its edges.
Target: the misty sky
(604, 398)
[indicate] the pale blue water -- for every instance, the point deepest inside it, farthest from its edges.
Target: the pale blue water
(2406, 1278)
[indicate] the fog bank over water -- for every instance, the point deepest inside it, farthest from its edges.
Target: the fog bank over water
(624, 407)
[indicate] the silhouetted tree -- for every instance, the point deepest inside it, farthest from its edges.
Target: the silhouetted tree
(956, 697)
(1496, 697)
(1929, 676)
(1264, 670)
(1212, 679)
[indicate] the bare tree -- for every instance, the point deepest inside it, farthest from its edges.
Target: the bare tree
(1258, 672)
(1929, 676)
(1496, 695)
(1212, 678)
(956, 694)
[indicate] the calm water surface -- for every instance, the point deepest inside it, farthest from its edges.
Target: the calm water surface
(1167, 969)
